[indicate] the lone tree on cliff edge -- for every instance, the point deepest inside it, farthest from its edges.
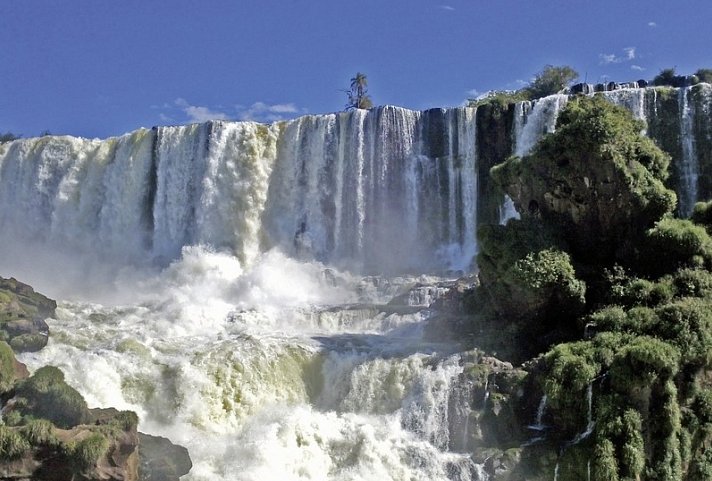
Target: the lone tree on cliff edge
(358, 93)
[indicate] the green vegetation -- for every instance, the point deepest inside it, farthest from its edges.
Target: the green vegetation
(12, 444)
(704, 75)
(8, 137)
(46, 395)
(665, 77)
(40, 432)
(552, 79)
(7, 367)
(358, 93)
(597, 247)
(85, 453)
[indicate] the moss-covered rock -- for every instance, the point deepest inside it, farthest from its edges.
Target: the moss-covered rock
(597, 180)
(46, 395)
(22, 315)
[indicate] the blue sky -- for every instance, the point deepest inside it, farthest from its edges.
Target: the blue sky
(97, 68)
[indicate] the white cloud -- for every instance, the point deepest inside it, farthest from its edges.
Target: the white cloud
(182, 111)
(448, 8)
(473, 93)
(637, 67)
(198, 113)
(263, 112)
(652, 24)
(608, 58)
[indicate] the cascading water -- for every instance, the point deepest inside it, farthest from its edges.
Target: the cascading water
(532, 120)
(689, 169)
(230, 322)
(239, 343)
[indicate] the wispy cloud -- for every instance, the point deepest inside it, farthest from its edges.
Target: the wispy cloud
(447, 7)
(199, 113)
(264, 112)
(627, 56)
(652, 24)
(182, 111)
(637, 67)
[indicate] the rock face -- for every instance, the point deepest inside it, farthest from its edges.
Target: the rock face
(603, 187)
(161, 460)
(22, 316)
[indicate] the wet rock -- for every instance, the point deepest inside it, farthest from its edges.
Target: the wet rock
(22, 316)
(161, 460)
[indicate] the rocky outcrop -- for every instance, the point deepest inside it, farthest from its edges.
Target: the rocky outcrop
(48, 432)
(22, 316)
(604, 187)
(161, 460)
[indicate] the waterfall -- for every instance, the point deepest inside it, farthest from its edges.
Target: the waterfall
(532, 120)
(540, 410)
(590, 423)
(535, 118)
(388, 190)
(689, 169)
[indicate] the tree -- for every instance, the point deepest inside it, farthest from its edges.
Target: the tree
(358, 93)
(704, 75)
(665, 77)
(551, 80)
(8, 137)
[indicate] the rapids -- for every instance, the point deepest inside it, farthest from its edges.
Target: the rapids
(255, 292)
(285, 370)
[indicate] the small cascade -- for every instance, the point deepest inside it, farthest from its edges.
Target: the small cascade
(541, 409)
(632, 99)
(538, 425)
(459, 413)
(590, 424)
(487, 393)
(507, 210)
(689, 168)
(556, 472)
(532, 120)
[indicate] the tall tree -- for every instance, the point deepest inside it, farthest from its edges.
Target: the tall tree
(358, 93)
(551, 80)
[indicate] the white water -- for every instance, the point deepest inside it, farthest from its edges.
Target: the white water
(261, 376)
(388, 190)
(689, 169)
(190, 258)
(264, 362)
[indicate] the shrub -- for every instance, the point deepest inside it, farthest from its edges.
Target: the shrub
(665, 77)
(40, 432)
(7, 367)
(702, 406)
(12, 444)
(642, 362)
(676, 243)
(604, 466)
(687, 323)
(86, 453)
(499, 99)
(693, 283)
(48, 396)
(704, 75)
(126, 420)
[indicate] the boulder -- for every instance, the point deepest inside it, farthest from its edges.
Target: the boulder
(161, 460)
(22, 316)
